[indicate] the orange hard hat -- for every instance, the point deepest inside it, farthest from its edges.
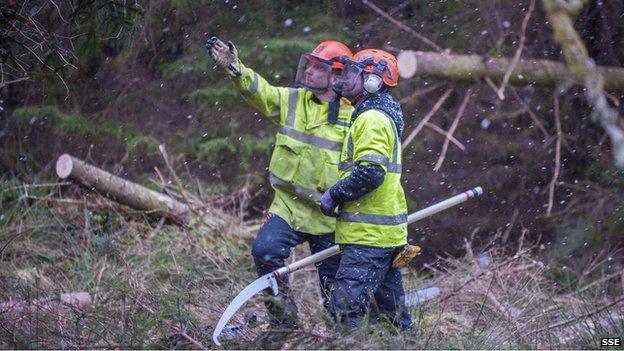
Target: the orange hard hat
(334, 51)
(381, 63)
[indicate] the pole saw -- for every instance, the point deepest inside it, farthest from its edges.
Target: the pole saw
(269, 280)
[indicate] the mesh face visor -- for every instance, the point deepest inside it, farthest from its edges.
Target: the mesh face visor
(314, 73)
(348, 80)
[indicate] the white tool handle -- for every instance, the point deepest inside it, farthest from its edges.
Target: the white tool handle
(319, 256)
(443, 205)
(431, 210)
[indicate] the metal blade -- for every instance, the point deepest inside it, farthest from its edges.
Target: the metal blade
(264, 282)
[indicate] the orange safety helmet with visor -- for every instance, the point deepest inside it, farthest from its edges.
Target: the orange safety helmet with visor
(315, 69)
(377, 68)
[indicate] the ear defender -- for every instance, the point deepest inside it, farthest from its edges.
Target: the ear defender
(372, 83)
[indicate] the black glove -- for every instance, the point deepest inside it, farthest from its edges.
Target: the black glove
(226, 56)
(328, 205)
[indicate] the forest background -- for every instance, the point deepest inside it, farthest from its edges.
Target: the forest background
(110, 81)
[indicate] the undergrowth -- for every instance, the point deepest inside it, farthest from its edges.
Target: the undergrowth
(153, 284)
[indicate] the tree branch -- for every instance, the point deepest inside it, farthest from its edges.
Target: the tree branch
(426, 119)
(454, 125)
(516, 58)
(402, 25)
(583, 68)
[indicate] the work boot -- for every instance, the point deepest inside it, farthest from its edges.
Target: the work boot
(282, 321)
(282, 312)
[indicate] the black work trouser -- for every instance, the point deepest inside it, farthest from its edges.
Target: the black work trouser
(273, 245)
(366, 275)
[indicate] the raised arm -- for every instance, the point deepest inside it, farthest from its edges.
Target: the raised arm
(258, 93)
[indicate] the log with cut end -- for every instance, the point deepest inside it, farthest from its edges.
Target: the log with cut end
(128, 193)
(470, 68)
(66, 302)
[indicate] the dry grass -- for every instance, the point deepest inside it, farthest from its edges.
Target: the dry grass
(156, 285)
(499, 300)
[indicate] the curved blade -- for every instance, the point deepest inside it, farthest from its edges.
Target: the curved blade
(264, 282)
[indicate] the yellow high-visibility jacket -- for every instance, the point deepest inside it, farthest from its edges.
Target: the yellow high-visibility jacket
(304, 162)
(378, 218)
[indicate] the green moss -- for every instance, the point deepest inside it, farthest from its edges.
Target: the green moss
(211, 97)
(141, 146)
(252, 147)
(186, 7)
(52, 117)
(186, 66)
(276, 58)
(512, 149)
(615, 221)
(613, 177)
(211, 150)
(121, 60)
(117, 130)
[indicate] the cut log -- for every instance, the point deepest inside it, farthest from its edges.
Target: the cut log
(123, 191)
(66, 302)
(470, 68)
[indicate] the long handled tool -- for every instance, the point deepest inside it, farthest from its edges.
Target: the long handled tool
(270, 280)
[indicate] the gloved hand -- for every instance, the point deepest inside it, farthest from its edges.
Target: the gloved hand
(328, 205)
(225, 56)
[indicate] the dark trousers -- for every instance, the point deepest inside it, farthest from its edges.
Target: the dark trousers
(272, 246)
(366, 275)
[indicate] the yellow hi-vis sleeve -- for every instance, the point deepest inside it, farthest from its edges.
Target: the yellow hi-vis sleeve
(261, 95)
(373, 139)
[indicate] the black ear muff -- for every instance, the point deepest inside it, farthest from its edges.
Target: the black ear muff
(372, 83)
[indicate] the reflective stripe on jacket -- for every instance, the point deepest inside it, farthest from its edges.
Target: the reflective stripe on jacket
(378, 218)
(304, 162)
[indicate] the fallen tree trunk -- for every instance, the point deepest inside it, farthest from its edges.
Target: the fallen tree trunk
(125, 192)
(470, 68)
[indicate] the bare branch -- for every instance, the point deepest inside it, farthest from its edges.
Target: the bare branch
(5, 83)
(579, 318)
(531, 114)
(402, 25)
(365, 28)
(421, 92)
(553, 181)
(58, 10)
(460, 112)
(420, 125)
(516, 58)
(446, 134)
